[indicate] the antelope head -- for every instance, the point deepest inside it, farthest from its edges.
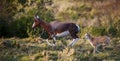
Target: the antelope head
(87, 36)
(36, 22)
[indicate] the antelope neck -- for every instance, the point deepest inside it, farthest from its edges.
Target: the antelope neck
(45, 25)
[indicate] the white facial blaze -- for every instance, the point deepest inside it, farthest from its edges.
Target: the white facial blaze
(33, 25)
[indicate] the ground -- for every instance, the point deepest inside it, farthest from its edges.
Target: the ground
(34, 49)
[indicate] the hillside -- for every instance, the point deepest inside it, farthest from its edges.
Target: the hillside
(19, 42)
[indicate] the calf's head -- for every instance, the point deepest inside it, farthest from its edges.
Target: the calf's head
(87, 36)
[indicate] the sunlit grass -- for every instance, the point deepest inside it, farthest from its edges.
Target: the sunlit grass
(35, 51)
(85, 13)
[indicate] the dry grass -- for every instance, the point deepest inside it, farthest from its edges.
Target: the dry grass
(31, 50)
(87, 13)
(95, 12)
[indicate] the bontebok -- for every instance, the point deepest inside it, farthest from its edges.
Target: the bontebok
(58, 29)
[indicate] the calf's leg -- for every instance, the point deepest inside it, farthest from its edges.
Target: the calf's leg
(96, 49)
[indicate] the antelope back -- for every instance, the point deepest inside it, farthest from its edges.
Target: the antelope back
(103, 39)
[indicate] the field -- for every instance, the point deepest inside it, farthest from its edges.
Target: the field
(34, 49)
(19, 42)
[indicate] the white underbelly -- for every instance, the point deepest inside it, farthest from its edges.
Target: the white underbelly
(65, 33)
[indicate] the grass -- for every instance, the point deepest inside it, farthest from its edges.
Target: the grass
(84, 12)
(32, 50)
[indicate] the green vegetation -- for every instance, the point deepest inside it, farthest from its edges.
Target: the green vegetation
(20, 18)
(88, 14)
(98, 17)
(34, 49)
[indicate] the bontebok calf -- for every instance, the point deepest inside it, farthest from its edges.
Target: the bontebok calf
(97, 41)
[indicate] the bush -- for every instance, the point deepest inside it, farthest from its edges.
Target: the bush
(117, 26)
(4, 28)
(74, 16)
(10, 44)
(22, 27)
(98, 31)
(20, 23)
(19, 27)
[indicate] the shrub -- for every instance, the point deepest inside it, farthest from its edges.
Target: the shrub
(98, 31)
(117, 26)
(19, 27)
(4, 28)
(74, 16)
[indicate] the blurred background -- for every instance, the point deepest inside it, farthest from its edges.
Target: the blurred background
(19, 42)
(99, 17)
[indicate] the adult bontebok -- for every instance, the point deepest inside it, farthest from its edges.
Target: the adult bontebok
(58, 29)
(97, 41)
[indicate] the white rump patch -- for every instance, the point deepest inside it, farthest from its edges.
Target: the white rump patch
(65, 33)
(78, 27)
(33, 25)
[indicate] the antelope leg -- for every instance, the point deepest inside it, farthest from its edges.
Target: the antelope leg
(50, 43)
(54, 40)
(97, 49)
(73, 42)
(94, 51)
